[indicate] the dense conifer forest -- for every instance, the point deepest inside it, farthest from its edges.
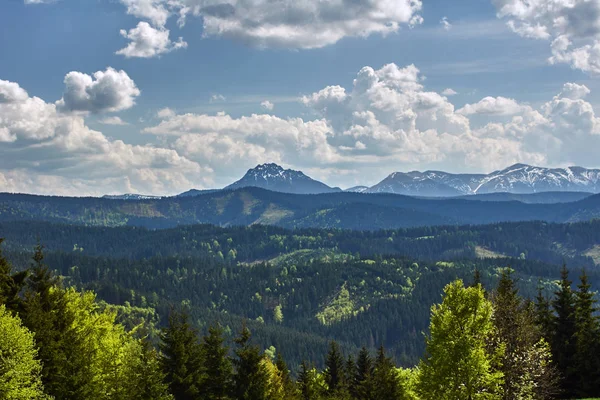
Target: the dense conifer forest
(307, 313)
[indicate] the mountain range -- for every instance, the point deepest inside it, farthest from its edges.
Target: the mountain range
(516, 179)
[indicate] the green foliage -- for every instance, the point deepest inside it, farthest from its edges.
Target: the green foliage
(19, 367)
(218, 383)
(458, 363)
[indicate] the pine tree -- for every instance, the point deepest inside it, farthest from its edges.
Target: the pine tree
(150, 380)
(218, 384)
(305, 383)
(587, 339)
(543, 315)
(181, 357)
(251, 379)
(525, 362)
(288, 383)
(11, 284)
(362, 375)
(334, 369)
(564, 328)
(385, 382)
(349, 372)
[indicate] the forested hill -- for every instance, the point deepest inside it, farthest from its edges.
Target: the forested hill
(298, 288)
(258, 206)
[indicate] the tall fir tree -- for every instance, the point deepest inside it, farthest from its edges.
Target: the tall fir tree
(544, 318)
(334, 369)
(563, 341)
(385, 383)
(288, 384)
(11, 283)
(361, 379)
(218, 384)
(251, 378)
(182, 358)
(587, 341)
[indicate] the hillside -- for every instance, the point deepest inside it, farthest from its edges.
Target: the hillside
(258, 206)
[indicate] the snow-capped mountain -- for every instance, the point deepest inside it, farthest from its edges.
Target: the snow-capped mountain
(130, 196)
(275, 178)
(519, 178)
(357, 189)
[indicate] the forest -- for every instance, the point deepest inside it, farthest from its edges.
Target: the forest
(482, 343)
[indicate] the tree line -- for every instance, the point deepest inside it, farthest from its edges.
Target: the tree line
(57, 342)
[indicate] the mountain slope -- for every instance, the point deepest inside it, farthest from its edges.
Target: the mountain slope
(275, 178)
(250, 206)
(517, 179)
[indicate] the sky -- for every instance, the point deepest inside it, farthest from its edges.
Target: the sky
(161, 96)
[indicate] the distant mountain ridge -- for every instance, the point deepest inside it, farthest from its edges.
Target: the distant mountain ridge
(517, 179)
(274, 177)
(130, 196)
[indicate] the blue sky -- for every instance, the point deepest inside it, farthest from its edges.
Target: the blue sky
(510, 105)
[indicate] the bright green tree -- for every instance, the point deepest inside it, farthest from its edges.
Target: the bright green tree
(19, 367)
(458, 363)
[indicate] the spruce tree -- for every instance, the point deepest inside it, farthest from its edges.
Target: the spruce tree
(152, 379)
(564, 328)
(218, 384)
(334, 369)
(385, 381)
(181, 357)
(587, 339)
(305, 383)
(362, 375)
(288, 383)
(251, 378)
(544, 318)
(525, 362)
(11, 284)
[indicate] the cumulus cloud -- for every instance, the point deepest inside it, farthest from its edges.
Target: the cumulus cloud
(165, 113)
(45, 150)
(449, 92)
(104, 91)
(148, 42)
(267, 105)
(571, 26)
(39, 1)
(297, 24)
(492, 106)
(113, 121)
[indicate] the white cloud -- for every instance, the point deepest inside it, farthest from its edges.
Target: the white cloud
(297, 24)
(39, 1)
(165, 113)
(449, 92)
(574, 91)
(155, 11)
(445, 23)
(492, 106)
(267, 105)
(217, 98)
(104, 91)
(113, 121)
(10, 92)
(572, 27)
(47, 151)
(148, 42)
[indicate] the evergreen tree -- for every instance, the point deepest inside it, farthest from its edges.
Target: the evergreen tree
(307, 386)
(334, 369)
(362, 375)
(564, 328)
(525, 362)
(218, 384)
(349, 373)
(543, 315)
(288, 383)
(385, 381)
(11, 283)
(19, 367)
(152, 379)
(587, 339)
(181, 357)
(458, 364)
(251, 378)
